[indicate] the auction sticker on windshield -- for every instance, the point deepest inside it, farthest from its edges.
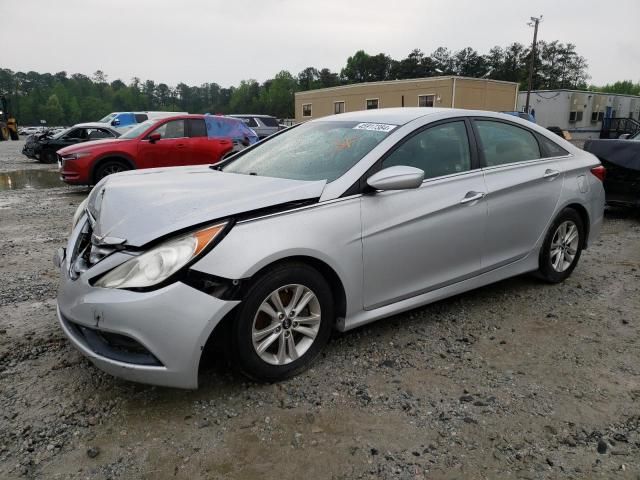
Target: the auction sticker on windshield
(376, 127)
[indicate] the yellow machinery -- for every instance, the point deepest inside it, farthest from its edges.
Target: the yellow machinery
(8, 124)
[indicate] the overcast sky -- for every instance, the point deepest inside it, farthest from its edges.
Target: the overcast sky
(196, 41)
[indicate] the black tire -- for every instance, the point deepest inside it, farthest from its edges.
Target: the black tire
(48, 157)
(547, 271)
(244, 354)
(109, 167)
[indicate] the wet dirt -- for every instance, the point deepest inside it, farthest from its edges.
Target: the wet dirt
(30, 179)
(518, 380)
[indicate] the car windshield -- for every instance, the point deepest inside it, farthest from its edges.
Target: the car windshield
(61, 133)
(138, 129)
(312, 151)
(108, 118)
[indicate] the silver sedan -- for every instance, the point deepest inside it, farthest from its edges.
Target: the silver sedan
(334, 223)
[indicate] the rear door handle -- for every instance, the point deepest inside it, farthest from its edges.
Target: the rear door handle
(551, 174)
(472, 197)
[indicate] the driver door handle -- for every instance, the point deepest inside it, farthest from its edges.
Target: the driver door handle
(472, 197)
(551, 174)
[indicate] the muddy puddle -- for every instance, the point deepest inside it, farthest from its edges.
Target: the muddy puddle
(30, 179)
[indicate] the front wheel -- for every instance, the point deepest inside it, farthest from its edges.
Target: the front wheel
(562, 246)
(283, 324)
(48, 157)
(109, 167)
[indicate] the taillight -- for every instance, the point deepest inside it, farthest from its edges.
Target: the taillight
(599, 172)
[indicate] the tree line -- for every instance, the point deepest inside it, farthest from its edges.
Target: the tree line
(63, 99)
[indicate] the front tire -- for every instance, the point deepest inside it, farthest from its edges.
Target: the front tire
(562, 247)
(48, 157)
(109, 167)
(283, 323)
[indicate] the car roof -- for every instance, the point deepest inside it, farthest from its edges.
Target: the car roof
(92, 125)
(404, 115)
(250, 115)
(394, 116)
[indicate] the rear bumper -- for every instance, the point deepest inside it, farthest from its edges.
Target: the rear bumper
(168, 328)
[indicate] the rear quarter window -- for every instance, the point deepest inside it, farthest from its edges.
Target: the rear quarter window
(269, 121)
(551, 148)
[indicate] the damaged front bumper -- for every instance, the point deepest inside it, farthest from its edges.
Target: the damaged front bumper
(154, 337)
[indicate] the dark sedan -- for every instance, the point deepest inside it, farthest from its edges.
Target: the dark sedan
(621, 158)
(43, 146)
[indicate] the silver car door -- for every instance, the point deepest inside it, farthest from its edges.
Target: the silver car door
(523, 189)
(421, 239)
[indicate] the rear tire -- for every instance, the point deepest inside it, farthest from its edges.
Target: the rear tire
(109, 167)
(562, 247)
(271, 342)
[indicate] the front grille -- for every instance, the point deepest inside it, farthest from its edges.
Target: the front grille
(115, 346)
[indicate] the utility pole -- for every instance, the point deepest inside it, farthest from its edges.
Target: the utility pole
(533, 23)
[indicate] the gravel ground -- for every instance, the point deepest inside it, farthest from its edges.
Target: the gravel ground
(516, 380)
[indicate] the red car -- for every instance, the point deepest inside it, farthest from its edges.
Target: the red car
(167, 142)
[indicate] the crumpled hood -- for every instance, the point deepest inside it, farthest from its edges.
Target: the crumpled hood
(142, 205)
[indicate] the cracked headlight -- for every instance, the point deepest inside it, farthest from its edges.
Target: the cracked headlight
(159, 263)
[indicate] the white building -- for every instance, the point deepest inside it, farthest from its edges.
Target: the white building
(579, 112)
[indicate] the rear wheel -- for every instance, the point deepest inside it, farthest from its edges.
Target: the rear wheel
(562, 246)
(110, 167)
(283, 324)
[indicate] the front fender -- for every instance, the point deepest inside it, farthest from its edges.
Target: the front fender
(330, 233)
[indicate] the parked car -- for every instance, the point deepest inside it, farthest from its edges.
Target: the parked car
(31, 130)
(123, 121)
(333, 223)
(263, 125)
(621, 158)
(43, 146)
(168, 142)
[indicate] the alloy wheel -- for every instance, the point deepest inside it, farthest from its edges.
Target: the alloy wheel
(564, 246)
(111, 169)
(286, 324)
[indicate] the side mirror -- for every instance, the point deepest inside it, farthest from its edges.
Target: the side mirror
(154, 137)
(115, 122)
(396, 178)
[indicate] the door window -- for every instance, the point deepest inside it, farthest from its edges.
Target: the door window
(338, 107)
(440, 150)
(250, 121)
(502, 143)
(372, 103)
(76, 134)
(98, 133)
(197, 128)
(172, 129)
(141, 117)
